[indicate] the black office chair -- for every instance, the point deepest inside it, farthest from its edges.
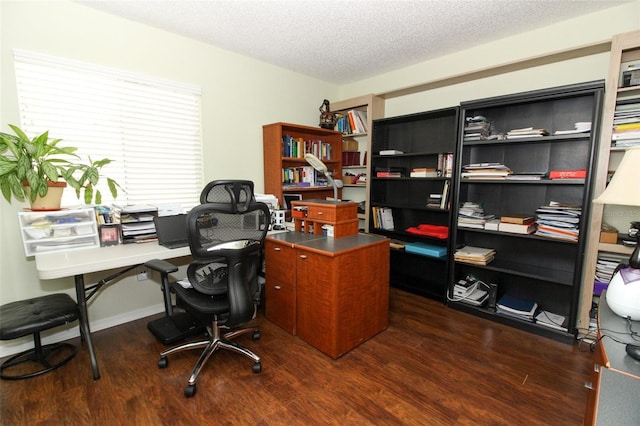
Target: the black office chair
(226, 247)
(177, 324)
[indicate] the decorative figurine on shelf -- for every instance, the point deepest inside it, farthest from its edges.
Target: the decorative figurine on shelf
(327, 118)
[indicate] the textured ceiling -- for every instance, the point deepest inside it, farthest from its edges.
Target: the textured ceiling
(347, 40)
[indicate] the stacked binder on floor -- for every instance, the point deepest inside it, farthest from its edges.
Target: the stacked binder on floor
(516, 307)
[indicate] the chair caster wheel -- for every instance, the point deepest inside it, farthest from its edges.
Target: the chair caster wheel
(257, 367)
(256, 335)
(190, 390)
(164, 361)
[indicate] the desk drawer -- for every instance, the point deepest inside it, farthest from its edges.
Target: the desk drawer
(327, 214)
(279, 262)
(280, 306)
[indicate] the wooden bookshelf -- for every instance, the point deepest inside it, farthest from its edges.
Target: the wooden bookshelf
(275, 161)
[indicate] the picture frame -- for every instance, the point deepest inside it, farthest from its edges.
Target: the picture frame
(109, 234)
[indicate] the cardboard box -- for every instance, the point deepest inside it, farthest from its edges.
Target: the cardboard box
(609, 237)
(349, 144)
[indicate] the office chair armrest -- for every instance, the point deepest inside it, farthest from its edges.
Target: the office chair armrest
(161, 266)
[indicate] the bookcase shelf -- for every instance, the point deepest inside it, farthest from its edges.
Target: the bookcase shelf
(624, 48)
(423, 138)
(373, 107)
(275, 162)
(545, 270)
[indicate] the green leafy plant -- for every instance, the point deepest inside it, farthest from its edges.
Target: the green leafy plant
(36, 161)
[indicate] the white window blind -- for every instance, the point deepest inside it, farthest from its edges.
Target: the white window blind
(149, 127)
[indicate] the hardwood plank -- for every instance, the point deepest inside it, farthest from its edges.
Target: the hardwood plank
(433, 365)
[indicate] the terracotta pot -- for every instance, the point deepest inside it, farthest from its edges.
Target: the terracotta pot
(52, 200)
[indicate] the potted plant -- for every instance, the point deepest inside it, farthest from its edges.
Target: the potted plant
(30, 168)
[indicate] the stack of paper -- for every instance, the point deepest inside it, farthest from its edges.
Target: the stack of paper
(607, 264)
(471, 215)
(580, 127)
(557, 220)
(527, 132)
(474, 255)
(485, 171)
(516, 307)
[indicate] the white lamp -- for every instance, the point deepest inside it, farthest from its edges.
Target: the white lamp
(623, 292)
(317, 164)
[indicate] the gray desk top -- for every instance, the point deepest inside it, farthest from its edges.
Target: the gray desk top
(619, 399)
(324, 244)
(616, 333)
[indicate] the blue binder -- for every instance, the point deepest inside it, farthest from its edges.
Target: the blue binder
(425, 249)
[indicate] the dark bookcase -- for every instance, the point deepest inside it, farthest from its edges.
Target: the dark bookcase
(423, 138)
(543, 269)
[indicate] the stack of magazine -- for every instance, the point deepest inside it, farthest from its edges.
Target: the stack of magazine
(515, 307)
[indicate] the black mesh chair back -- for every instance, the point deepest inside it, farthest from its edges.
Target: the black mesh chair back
(227, 245)
(238, 193)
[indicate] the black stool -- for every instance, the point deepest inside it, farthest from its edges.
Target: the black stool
(32, 316)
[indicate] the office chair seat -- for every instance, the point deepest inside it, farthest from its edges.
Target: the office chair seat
(32, 316)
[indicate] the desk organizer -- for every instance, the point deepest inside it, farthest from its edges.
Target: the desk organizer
(67, 229)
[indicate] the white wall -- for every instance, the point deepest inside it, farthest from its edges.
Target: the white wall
(239, 96)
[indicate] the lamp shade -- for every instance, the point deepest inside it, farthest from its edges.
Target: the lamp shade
(624, 188)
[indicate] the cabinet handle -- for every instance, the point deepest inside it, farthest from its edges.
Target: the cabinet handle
(303, 256)
(588, 385)
(276, 249)
(596, 368)
(320, 213)
(277, 287)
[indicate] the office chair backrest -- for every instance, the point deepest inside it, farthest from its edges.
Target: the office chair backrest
(226, 246)
(238, 193)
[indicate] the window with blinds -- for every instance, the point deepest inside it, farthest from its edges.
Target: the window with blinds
(149, 127)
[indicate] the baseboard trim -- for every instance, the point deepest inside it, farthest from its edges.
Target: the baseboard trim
(10, 347)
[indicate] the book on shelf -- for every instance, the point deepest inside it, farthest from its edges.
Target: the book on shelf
(517, 306)
(423, 172)
(445, 164)
(551, 320)
(383, 218)
(397, 244)
(517, 228)
(579, 127)
(527, 132)
(492, 224)
(568, 174)
(527, 176)
(391, 152)
(426, 249)
(518, 218)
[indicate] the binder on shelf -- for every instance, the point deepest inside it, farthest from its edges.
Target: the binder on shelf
(426, 249)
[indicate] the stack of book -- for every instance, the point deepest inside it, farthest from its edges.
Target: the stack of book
(474, 255)
(434, 200)
(471, 215)
(551, 320)
(423, 172)
(476, 128)
(485, 171)
(517, 223)
(626, 123)
(516, 307)
(605, 266)
(389, 172)
(557, 220)
(527, 132)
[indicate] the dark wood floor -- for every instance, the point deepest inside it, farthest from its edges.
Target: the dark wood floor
(432, 366)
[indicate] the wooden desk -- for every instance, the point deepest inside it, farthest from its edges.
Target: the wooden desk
(614, 398)
(333, 293)
(76, 263)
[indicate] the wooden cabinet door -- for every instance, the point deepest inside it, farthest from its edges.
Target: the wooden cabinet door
(280, 286)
